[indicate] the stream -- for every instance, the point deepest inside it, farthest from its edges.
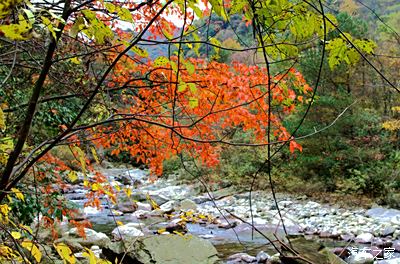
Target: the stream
(332, 226)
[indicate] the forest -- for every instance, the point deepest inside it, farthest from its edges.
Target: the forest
(199, 131)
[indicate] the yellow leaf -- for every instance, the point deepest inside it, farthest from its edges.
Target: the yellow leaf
(119, 223)
(128, 192)
(96, 187)
(17, 31)
(179, 233)
(2, 121)
(26, 228)
(18, 194)
(86, 183)
(72, 176)
(153, 203)
(16, 235)
(162, 230)
(31, 247)
(90, 255)
(49, 26)
(75, 60)
(65, 253)
(94, 153)
(139, 51)
(82, 158)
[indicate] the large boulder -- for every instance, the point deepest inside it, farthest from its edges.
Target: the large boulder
(163, 249)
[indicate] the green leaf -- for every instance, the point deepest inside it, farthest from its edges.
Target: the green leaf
(192, 87)
(139, 51)
(182, 87)
(161, 61)
(189, 67)
(110, 7)
(78, 26)
(218, 6)
(193, 102)
(125, 14)
(96, 28)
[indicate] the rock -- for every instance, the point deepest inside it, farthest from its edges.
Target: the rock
(396, 245)
(388, 231)
(159, 199)
(242, 257)
(166, 249)
(347, 237)
(132, 177)
(396, 234)
(92, 237)
(382, 214)
(227, 224)
(187, 205)
(168, 207)
(262, 257)
(311, 250)
(201, 199)
(274, 259)
(127, 207)
(259, 221)
(361, 258)
(143, 206)
(364, 238)
(395, 220)
(389, 261)
(140, 214)
(127, 232)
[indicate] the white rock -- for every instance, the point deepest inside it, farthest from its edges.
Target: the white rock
(140, 214)
(126, 231)
(395, 220)
(362, 258)
(364, 238)
(92, 237)
(144, 206)
(168, 207)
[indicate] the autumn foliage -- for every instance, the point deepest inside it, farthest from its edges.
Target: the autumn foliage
(168, 112)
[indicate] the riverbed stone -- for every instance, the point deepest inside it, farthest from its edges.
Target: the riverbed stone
(262, 257)
(127, 207)
(168, 207)
(165, 249)
(143, 206)
(92, 237)
(364, 238)
(187, 205)
(361, 258)
(127, 231)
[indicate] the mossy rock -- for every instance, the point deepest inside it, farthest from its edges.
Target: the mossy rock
(164, 249)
